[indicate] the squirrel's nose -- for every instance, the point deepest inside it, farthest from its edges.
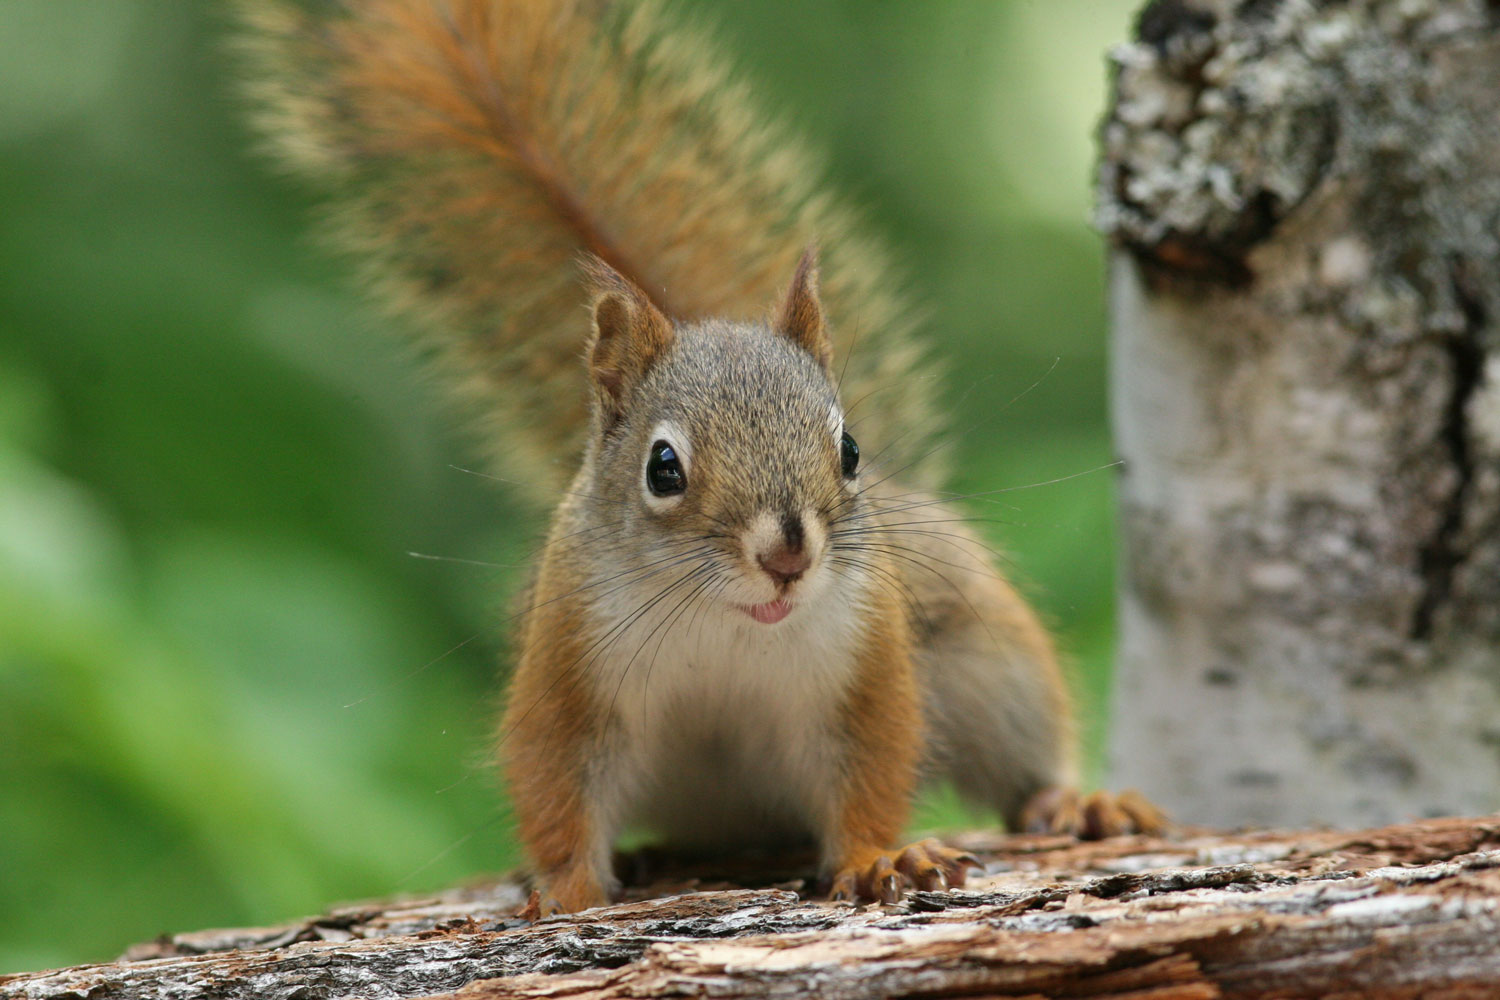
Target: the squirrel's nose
(784, 564)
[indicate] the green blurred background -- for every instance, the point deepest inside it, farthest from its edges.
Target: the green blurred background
(224, 694)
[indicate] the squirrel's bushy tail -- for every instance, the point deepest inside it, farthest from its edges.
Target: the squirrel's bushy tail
(474, 148)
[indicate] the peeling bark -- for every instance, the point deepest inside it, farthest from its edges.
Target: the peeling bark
(1305, 202)
(1399, 912)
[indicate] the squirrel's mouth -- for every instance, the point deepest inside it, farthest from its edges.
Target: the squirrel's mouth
(770, 612)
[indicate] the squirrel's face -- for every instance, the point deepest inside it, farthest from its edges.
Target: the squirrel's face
(724, 446)
(738, 450)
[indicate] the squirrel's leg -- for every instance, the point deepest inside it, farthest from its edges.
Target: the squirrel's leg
(562, 778)
(882, 727)
(1000, 718)
(565, 829)
(998, 711)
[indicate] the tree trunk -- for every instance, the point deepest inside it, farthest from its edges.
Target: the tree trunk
(1304, 200)
(1395, 913)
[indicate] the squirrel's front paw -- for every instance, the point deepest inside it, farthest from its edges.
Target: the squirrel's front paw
(931, 864)
(1102, 814)
(571, 892)
(872, 874)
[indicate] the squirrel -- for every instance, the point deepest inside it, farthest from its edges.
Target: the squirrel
(746, 626)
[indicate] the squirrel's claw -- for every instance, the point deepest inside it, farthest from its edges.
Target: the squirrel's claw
(1144, 814)
(1102, 814)
(539, 906)
(573, 890)
(870, 878)
(930, 864)
(927, 864)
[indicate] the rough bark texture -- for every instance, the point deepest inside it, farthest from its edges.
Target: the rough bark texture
(1402, 912)
(1305, 201)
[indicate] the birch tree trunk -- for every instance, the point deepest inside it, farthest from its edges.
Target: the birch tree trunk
(1304, 199)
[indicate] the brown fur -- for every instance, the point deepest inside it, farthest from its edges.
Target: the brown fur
(952, 670)
(630, 333)
(801, 314)
(550, 727)
(478, 149)
(882, 716)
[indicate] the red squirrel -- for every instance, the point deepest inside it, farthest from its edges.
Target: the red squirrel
(749, 624)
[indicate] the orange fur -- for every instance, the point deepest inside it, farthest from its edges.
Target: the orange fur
(548, 737)
(630, 333)
(478, 147)
(882, 717)
(801, 314)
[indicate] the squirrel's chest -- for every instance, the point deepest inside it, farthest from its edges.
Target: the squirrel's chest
(722, 675)
(724, 725)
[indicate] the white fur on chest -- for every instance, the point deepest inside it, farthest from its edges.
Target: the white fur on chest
(723, 729)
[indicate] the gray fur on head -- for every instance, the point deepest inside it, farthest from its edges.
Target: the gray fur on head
(755, 420)
(756, 411)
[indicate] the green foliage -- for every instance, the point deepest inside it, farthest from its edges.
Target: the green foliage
(227, 692)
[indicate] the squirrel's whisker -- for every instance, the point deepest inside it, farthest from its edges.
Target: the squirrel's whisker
(465, 562)
(673, 558)
(414, 671)
(665, 621)
(594, 649)
(951, 538)
(923, 560)
(988, 493)
(516, 482)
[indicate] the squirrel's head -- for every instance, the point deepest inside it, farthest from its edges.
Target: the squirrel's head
(719, 447)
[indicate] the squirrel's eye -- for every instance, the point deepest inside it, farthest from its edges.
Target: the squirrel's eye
(848, 455)
(664, 471)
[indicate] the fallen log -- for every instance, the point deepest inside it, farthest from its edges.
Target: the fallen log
(1397, 912)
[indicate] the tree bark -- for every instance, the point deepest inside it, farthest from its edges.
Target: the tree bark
(1399, 912)
(1304, 200)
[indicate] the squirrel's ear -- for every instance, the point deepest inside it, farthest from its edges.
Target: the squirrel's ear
(801, 314)
(630, 333)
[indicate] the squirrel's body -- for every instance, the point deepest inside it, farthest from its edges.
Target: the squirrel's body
(738, 633)
(691, 715)
(724, 723)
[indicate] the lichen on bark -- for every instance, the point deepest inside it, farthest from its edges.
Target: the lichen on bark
(1307, 215)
